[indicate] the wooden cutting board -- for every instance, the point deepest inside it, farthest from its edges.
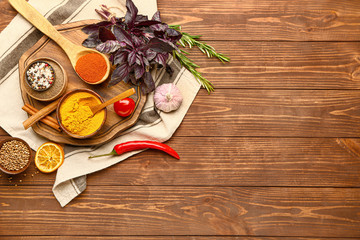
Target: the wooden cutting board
(46, 48)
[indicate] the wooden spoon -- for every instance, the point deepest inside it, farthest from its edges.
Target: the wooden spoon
(122, 95)
(73, 51)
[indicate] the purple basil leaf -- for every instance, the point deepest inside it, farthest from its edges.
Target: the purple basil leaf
(156, 16)
(136, 32)
(126, 79)
(138, 41)
(175, 47)
(131, 13)
(148, 80)
(119, 74)
(120, 57)
(158, 45)
(147, 23)
(141, 18)
(139, 71)
(124, 70)
(148, 35)
(131, 58)
(139, 60)
(173, 35)
(105, 34)
(144, 88)
(122, 36)
(131, 78)
(148, 84)
(161, 27)
(150, 54)
(146, 62)
(92, 40)
(108, 46)
(161, 58)
(90, 29)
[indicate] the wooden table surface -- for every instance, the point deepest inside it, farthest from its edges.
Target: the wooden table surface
(272, 154)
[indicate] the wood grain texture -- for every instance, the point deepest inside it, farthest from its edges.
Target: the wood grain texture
(303, 20)
(7, 14)
(163, 238)
(245, 161)
(283, 65)
(111, 210)
(276, 146)
(3, 132)
(274, 113)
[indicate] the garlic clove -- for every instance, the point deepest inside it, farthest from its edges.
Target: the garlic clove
(167, 97)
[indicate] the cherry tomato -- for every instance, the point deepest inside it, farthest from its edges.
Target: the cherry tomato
(124, 107)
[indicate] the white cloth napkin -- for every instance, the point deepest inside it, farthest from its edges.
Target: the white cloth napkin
(19, 36)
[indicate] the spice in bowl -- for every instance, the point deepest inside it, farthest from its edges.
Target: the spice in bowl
(76, 117)
(15, 155)
(91, 67)
(40, 76)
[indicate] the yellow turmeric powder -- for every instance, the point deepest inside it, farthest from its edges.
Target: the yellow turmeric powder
(76, 115)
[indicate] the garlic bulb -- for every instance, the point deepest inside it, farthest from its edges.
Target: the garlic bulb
(167, 97)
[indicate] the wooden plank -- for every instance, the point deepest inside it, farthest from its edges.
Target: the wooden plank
(133, 210)
(2, 132)
(283, 65)
(31, 176)
(7, 14)
(303, 20)
(229, 162)
(241, 162)
(165, 238)
(273, 113)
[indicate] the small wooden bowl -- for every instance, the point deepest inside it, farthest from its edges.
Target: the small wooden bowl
(13, 172)
(59, 85)
(58, 116)
(52, 71)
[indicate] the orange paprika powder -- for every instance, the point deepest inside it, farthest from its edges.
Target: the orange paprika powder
(91, 67)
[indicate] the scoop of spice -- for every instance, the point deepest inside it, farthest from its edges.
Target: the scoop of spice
(76, 115)
(14, 155)
(91, 67)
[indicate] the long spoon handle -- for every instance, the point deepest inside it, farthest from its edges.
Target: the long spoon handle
(125, 94)
(41, 23)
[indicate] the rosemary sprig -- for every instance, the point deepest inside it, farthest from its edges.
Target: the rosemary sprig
(190, 41)
(191, 66)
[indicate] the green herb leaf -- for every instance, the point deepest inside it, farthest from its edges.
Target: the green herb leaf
(190, 41)
(191, 66)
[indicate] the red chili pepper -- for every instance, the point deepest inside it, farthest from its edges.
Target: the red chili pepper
(138, 145)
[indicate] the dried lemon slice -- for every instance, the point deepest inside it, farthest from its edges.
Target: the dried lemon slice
(49, 157)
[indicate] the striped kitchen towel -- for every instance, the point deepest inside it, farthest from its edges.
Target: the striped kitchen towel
(20, 35)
